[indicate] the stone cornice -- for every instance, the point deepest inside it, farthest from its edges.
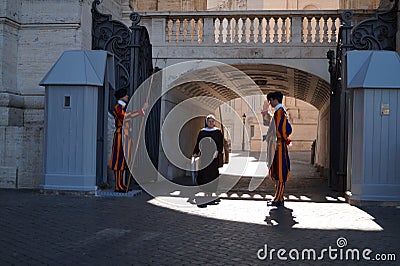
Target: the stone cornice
(9, 22)
(12, 100)
(45, 26)
(38, 26)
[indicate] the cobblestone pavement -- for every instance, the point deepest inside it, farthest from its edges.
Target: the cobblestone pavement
(44, 229)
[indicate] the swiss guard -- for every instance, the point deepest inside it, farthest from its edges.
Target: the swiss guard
(279, 170)
(117, 161)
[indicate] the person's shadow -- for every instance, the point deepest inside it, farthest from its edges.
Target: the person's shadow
(281, 218)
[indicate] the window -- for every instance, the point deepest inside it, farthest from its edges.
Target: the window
(67, 101)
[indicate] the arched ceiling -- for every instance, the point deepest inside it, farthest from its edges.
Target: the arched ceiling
(292, 82)
(217, 83)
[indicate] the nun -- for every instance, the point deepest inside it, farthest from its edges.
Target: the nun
(209, 147)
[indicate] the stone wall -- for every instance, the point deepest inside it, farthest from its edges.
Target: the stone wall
(322, 148)
(33, 34)
(359, 4)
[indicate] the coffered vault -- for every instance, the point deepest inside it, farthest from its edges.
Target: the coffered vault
(292, 82)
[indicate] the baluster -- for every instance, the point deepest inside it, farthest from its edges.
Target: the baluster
(337, 26)
(310, 30)
(281, 29)
(193, 28)
(240, 30)
(276, 29)
(270, 30)
(325, 31)
(216, 30)
(329, 30)
(233, 30)
(247, 30)
(169, 30)
(221, 31)
(189, 31)
(225, 30)
(197, 24)
(184, 29)
(254, 30)
(260, 29)
(304, 31)
(288, 32)
(332, 30)
(317, 31)
(251, 30)
(264, 26)
(228, 30)
(174, 29)
(200, 30)
(177, 29)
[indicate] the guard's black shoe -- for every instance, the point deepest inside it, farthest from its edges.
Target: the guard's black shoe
(275, 203)
(213, 202)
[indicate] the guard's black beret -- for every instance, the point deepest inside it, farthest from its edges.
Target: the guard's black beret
(120, 93)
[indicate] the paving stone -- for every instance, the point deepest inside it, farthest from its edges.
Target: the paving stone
(38, 229)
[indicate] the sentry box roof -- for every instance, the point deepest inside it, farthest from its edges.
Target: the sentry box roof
(78, 68)
(373, 69)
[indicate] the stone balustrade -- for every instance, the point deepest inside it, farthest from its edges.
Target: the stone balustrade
(251, 27)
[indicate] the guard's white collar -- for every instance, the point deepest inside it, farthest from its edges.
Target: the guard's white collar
(121, 102)
(278, 106)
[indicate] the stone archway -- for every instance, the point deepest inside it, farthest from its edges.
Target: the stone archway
(293, 82)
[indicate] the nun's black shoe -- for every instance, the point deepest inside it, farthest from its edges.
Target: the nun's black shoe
(202, 205)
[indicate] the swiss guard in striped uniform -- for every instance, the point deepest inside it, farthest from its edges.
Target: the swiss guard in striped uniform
(117, 161)
(280, 167)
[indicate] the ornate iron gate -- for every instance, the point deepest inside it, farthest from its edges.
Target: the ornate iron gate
(133, 63)
(377, 33)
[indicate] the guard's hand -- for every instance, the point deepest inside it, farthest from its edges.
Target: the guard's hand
(145, 106)
(265, 105)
